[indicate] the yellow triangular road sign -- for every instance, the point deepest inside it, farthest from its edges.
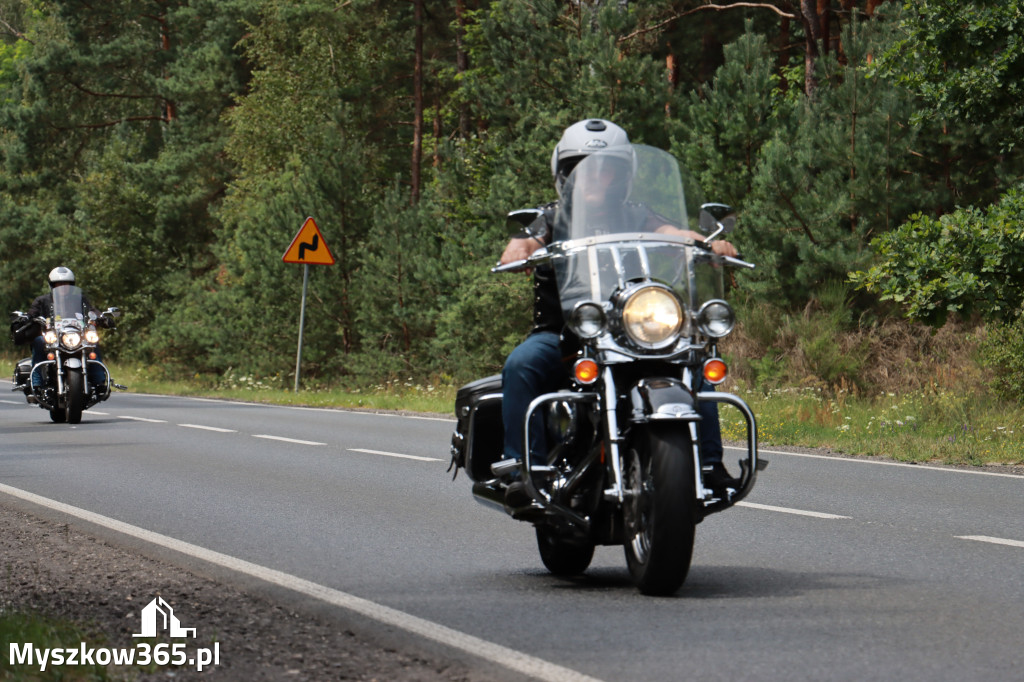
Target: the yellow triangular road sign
(309, 247)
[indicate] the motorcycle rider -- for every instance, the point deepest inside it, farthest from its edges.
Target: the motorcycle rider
(42, 306)
(537, 365)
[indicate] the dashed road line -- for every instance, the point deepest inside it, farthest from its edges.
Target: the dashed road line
(208, 428)
(142, 419)
(787, 510)
(992, 540)
(287, 440)
(395, 454)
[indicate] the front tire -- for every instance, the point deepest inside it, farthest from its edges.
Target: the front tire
(58, 415)
(76, 396)
(660, 514)
(563, 556)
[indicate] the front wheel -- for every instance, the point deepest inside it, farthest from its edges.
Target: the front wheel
(76, 396)
(660, 515)
(563, 556)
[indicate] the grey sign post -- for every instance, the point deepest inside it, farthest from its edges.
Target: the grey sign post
(308, 248)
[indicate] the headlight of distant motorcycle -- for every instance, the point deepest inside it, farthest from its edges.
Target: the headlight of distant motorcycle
(70, 339)
(716, 319)
(50, 337)
(92, 336)
(652, 316)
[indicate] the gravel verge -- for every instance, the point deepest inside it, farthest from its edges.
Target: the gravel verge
(62, 570)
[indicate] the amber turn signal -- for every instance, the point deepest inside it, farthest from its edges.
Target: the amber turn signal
(715, 371)
(586, 371)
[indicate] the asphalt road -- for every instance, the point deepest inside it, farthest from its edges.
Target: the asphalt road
(833, 569)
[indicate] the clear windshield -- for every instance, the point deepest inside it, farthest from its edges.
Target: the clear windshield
(622, 189)
(67, 303)
(619, 222)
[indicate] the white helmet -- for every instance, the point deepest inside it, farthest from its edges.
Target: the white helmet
(61, 275)
(582, 139)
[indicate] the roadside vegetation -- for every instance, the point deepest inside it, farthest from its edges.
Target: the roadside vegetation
(46, 632)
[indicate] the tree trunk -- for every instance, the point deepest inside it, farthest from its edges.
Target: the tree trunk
(812, 31)
(783, 61)
(824, 22)
(417, 87)
(461, 62)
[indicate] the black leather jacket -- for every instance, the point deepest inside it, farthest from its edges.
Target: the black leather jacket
(547, 310)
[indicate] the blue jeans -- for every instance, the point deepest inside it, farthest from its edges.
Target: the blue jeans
(38, 355)
(709, 430)
(533, 368)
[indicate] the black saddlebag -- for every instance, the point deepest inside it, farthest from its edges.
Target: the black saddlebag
(479, 436)
(22, 372)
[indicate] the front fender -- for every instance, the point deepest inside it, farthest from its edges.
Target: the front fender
(662, 398)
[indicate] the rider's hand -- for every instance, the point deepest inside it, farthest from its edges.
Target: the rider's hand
(723, 248)
(519, 248)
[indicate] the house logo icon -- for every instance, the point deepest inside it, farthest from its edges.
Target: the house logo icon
(158, 616)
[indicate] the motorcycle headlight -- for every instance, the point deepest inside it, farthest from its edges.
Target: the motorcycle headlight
(50, 337)
(70, 339)
(92, 336)
(587, 320)
(652, 316)
(716, 319)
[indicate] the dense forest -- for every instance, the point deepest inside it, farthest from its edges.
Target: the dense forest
(168, 151)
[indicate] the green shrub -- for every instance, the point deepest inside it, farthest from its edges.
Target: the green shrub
(1002, 353)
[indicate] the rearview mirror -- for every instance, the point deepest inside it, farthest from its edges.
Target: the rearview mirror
(113, 312)
(716, 219)
(523, 218)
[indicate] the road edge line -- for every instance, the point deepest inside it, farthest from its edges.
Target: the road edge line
(495, 653)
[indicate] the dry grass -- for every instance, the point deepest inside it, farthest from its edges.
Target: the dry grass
(770, 349)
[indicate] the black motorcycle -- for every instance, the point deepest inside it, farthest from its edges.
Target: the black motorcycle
(645, 311)
(72, 339)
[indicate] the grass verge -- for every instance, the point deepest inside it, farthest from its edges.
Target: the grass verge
(940, 426)
(45, 632)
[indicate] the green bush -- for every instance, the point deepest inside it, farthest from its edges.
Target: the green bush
(1002, 353)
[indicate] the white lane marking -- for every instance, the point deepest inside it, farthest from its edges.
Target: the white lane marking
(287, 440)
(368, 411)
(12, 402)
(395, 454)
(142, 419)
(102, 414)
(510, 658)
(991, 540)
(208, 428)
(787, 510)
(856, 460)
